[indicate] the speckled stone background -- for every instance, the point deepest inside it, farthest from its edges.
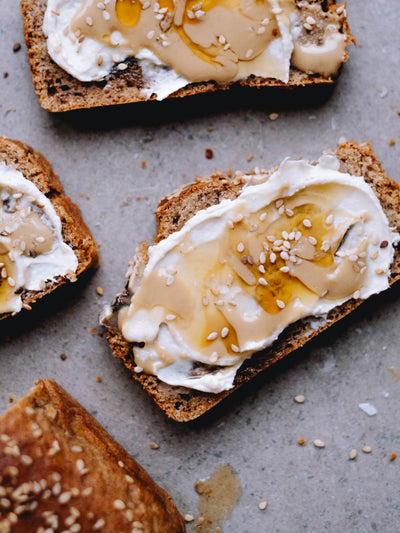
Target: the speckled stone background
(98, 155)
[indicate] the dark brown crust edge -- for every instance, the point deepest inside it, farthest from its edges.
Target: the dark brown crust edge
(58, 91)
(36, 168)
(60, 418)
(182, 404)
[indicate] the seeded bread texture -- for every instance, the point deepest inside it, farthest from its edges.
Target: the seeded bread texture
(36, 168)
(59, 467)
(182, 404)
(58, 91)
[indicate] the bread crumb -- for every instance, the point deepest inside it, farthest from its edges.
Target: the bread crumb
(273, 116)
(154, 445)
(301, 441)
(5, 75)
(352, 454)
(11, 397)
(94, 330)
(392, 141)
(209, 153)
(99, 379)
(249, 157)
(366, 449)
(210, 128)
(16, 47)
(229, 172)
(143, 164)
(99, 291)
(63, 356)
(318, 443)
(392, 456)
(188, 518)
(263, 505)
(299, 398)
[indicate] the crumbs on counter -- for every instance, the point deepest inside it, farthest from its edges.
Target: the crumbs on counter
(154, 445)
(143, 164)
(17, 47)
(392, 456)
(210, 128)
(366, 449)
(392, 141)
(209, 153)
(250, 157)
(5, 75)
(302, 441)
(11, 397)
(99, 379)
(99, 290)
(63, 356)
(273, 116)
(229, 172)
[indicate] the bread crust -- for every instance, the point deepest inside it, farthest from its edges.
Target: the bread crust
(36, 168)
(58, 91)
(182, 404)
(54, 453)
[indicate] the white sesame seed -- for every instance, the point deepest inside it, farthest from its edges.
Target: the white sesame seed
(261, 269)
(352, 454)
(357, 294)
(119, 504)
(272, 257)
(299, 398)
(329, 219)
(224, 333)
(188, 518)
(249, 53)
(212, 336)
(234, 348)
(263, 505)
(280, 304)
(151, 34)
(284, 256)
(284, 269)
(240, 247)
(263, 282)
(289, 212)
(99, 524)
(170, 317)
(312, 240)
(281, 210)
(263, 257)
(318, 443)
(138, 369)
(205, 300)
(307, 223)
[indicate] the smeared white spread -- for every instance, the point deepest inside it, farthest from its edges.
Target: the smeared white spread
(29, 271)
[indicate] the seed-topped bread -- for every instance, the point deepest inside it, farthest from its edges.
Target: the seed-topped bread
(61, 471)
(127, 82)
(174, 211)
(34, 167)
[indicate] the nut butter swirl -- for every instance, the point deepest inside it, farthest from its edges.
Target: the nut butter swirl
(200, 40)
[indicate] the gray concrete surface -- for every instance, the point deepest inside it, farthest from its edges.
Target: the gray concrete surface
(98, 156)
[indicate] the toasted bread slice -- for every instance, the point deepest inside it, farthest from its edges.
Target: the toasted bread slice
(37, 169)
(58, 91)
(183, 404)
(59, 467)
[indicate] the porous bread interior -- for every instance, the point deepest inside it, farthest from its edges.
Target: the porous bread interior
(36, 168)
(182, 404)
(58, 91)
(64, 440)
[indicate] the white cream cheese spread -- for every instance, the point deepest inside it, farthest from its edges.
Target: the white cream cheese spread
(294, 245)
(32, 250)
(182, 41)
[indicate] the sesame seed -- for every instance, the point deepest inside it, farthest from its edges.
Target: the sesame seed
(64, 498)
(138, 369)
(170, 280)
(299, 398)
(281, 210)
(284, 256)
(212, 336)
(240, 247)
(312, 240)
(119, 504)
(214, 357)
(263, 282)
(263, 505)
(261, 269)
(170, 317)
(89, 21)
(249, 53)
(366, 449)
(307, 223)
(99, 524)
(188, 518)
(121, 464)
(234, 348)
(129, 479)
(284, 269)
(289, 212)
(263, 257)
(357, 294)
(352, 454)
(329, 219)
(154, 445)
(272, 257)
(318, 443)
(205, 301)
(224, 333)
